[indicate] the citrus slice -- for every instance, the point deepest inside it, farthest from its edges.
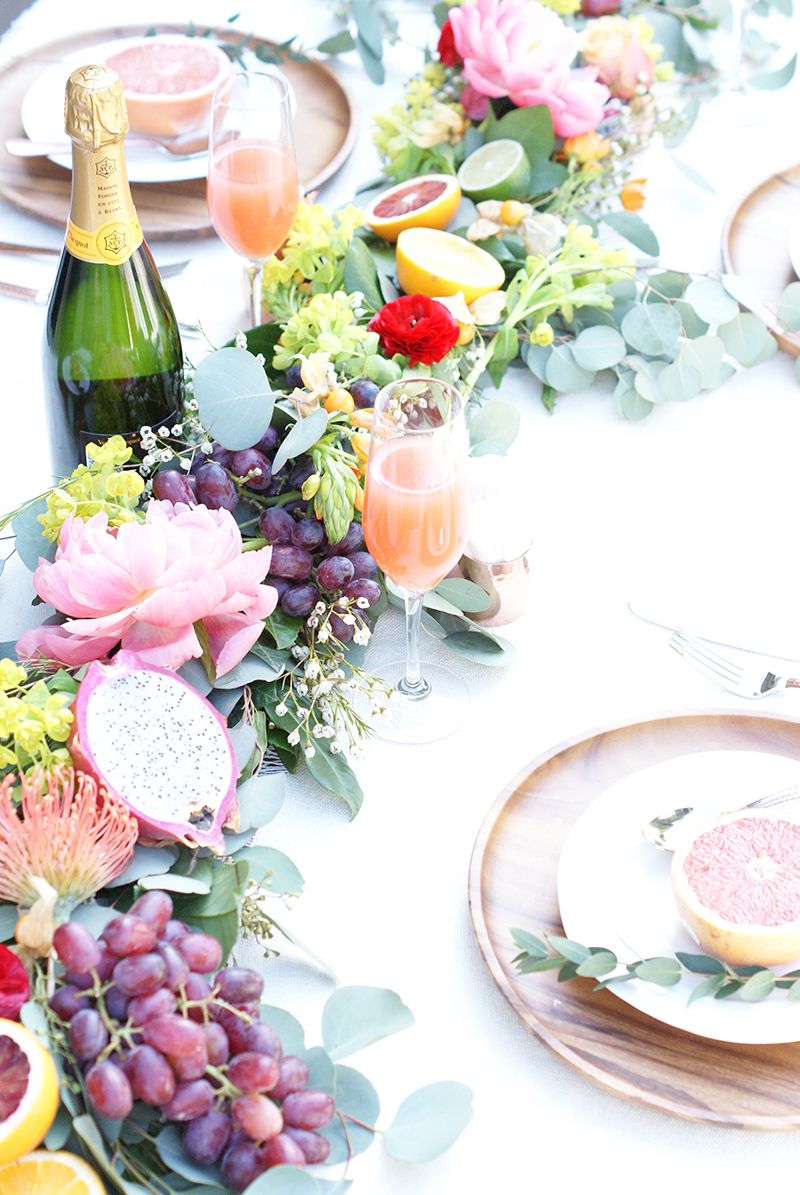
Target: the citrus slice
(429, 201)
(433, 263)
(497, 170)
(46, 1173)
(737, 885)
(168, 82)
(28, 1092)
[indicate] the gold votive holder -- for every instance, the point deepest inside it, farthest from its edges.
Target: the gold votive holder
(507, 584)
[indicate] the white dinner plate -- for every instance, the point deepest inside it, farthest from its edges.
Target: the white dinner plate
(42, 116)
(614, 889)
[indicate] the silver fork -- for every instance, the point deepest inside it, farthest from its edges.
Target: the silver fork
(751, 680)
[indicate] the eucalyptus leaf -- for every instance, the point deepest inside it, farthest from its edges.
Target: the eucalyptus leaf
(303, 435)
(357, 1016)
(429, 1121)
(774, 80)
(482, 648)
(34, 1019)
(789, 306)
(9, 916)
(243, 738)
(634, 229)
(668, 284)
(574, 951)
(321, 1070)
(630, 403)
(794, 991)
(704, 354)
(356, 1097)
(224, 700)
(172, 882)
(529, 966)
(373, 66)
(758, 986)
(249, 669)
(30, 542)
(334, 773)
(700, 964)
(339, 43)
(536, 357)
(598, 964)
(434, 601)
(665, 972)
(563, 373)
(530, 943)
(646, 380)
(283, 1180)
(368, 22)
(693, 175)
(707, 987)
(147, 860)
(680, 381)
(743, 292)
(286, 1026)
(361, 273)
(465, 595)
(744, 337)
(195, 675)
(92, 1138)
(59, 1132)
(272, 870)
(598, 348)
(93, 916)
(653, 329)
(493, 428)
(260, 799)
(234, 398)
(711, 301)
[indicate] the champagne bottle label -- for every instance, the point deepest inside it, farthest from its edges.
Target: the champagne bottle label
(112, 243)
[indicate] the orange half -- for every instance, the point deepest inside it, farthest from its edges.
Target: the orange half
(46, 1173)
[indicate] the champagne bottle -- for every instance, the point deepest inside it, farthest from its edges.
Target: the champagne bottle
(112, 352)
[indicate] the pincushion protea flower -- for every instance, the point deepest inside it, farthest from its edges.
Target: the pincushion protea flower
(65, 832)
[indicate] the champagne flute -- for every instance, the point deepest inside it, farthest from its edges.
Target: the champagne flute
(252, 171)
(415, 526)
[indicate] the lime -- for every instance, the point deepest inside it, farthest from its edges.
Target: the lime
(497, 170)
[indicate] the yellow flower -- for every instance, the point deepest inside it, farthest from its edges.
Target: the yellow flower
(11, 675)
(11, 710)
(29, 733)
(542, 334)
(114, 451)
(128, 484)
(587, 147)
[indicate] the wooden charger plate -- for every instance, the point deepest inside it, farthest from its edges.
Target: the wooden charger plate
(755, 242)
(512, 883)
(324, 128)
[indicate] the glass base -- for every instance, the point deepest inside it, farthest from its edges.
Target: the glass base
(438, 712)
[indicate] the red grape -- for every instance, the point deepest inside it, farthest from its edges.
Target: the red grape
(294, 376)
(151, 1077)
(159, 1003)
(268, 442)
(171, 485)
(334, 572)
(190, 1100)
(129, 935)
(299, 600)
(190, 1066)
(295, 564)
(252, 1072)
(196, 987)
(257, 1116)
(116, 1003)
(76, 947)
(342, 630)
(174, 1035)
(308, 533)
(174, 929)
(200, 952)
(155, 908)
(308, 1109)
(235, 1028)
(177, 971)
(364, 392)
(363, 565)
(293, 1077)
(276, 525)
(239, 984)
(215, 488)
(352, 542)
(217, 1045)
(315, 1148)
(140, 974)
(362, 587)
(87, 1034)
(241, 1164)
(250, 459)
(109, 1091)
(205, 1137)
(599, 8)
(263, 1039)
(67, 1000)
(282, 1151)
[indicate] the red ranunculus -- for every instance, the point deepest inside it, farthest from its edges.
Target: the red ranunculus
(15, 986)
(446, 49)
(416, 326)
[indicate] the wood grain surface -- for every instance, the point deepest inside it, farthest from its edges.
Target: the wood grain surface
(755, 242)
(512, 883)
(324, 128)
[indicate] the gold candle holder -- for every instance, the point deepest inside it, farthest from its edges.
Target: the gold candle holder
(507, 584)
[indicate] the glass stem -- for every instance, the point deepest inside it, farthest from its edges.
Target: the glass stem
(413, 684)
(255, 274)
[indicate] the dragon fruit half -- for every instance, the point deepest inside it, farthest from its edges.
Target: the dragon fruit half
(150, 738)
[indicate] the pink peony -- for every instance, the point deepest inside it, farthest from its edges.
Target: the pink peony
(520, 49)
(146, 585)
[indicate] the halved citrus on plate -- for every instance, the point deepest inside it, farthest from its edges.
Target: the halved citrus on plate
(430, 201)
(436, 263)
(46, 1173)
(169, 81)
(28, 1093)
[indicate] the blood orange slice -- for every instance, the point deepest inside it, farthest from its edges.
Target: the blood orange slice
(28, 1091)
(737, 885)
(429, 201)
(169, 81)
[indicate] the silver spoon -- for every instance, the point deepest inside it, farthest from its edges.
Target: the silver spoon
(659, 830)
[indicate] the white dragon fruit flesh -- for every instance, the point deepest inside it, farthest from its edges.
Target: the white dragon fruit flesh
(151, 739)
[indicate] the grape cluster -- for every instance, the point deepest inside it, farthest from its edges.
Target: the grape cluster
(150, 1017)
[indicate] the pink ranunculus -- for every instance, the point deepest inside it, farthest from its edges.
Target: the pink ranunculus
(520, 49)
(146, 585)
(614, 47)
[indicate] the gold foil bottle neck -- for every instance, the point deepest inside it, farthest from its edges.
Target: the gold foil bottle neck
(94, 107)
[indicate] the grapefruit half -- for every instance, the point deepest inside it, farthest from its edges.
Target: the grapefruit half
(737, 885)
(430, 201)
(169, 82)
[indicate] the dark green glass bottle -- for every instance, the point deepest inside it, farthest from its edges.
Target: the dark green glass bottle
(112, 350)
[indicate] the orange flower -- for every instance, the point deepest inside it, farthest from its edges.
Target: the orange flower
(587, 147)
(632, 194)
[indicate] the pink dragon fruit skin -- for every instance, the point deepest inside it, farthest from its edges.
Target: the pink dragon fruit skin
(169, 759)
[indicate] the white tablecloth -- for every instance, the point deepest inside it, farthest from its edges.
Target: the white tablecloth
(695, 505)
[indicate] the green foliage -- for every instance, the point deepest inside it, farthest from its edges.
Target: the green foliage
(428, 1122)
(493, 428)
(361, 273)
(234, 397)
(634, 229)
(354, 1017)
